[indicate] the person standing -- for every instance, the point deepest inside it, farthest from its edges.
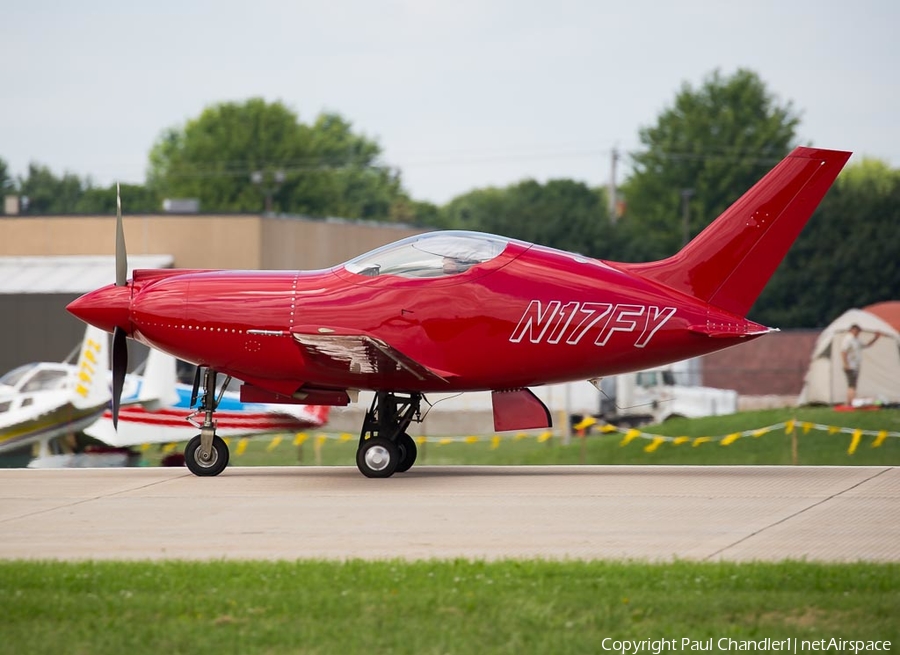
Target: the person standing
(851, 354)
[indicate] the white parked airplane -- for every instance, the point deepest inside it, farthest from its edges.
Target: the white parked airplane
(43, 401)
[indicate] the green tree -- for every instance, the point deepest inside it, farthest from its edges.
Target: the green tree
(342, 176)
(7, 183)
(136, 199)
(252, 155)
(846, 256)
(708, 148)
(561, 213)
(48, 194)
(415, 212)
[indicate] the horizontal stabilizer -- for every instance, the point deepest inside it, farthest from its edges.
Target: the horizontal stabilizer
(726, 332)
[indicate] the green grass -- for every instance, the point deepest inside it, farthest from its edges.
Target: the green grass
(432, 607)
(776, 448)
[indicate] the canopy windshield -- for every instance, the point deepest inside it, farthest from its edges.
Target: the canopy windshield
(12, 378)
(435, 254)
(36, 377)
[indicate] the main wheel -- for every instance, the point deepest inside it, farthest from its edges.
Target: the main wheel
(408, 453)
(218, 457)
(378, 457)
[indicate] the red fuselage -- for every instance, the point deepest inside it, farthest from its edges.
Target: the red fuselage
(529, 316)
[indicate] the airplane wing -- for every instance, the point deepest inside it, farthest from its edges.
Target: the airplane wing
(345, 354)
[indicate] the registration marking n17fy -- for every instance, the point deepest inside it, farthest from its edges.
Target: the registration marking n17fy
(569, 323)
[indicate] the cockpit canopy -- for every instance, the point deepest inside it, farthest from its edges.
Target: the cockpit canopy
(35, 377)
(435, 254)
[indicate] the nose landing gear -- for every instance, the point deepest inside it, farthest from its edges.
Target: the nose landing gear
(206, 454)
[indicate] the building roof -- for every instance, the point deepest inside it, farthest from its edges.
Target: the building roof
(888, 311)
(69, 273)
(775, 364)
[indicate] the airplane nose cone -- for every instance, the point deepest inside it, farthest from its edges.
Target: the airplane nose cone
(106, 308)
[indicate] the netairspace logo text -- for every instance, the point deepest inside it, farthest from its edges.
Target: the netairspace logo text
(788, 645)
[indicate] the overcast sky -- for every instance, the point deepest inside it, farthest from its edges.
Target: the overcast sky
(459, 93)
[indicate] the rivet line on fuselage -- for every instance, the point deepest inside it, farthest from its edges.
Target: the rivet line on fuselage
(171, 326)
(294, 298)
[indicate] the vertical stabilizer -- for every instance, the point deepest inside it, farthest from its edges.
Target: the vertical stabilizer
(90, 387)
(729, 263)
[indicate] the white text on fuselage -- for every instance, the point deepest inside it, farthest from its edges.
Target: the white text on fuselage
(569, 323)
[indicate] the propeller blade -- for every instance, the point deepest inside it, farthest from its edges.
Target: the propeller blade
(121, 255)
(196, 388)
(119, 367)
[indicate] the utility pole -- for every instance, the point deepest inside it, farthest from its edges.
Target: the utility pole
(269, 188)
(612, 186)
(686, 195)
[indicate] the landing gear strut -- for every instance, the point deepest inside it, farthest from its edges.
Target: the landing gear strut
(206, 454)
(384, 446)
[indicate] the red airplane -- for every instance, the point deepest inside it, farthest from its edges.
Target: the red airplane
(457, 311)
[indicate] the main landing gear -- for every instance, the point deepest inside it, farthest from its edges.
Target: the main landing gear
(206, 454)
(384, 446)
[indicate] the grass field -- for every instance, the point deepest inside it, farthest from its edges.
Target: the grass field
(802, 447)
(433, 607)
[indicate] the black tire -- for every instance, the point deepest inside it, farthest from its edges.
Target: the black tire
(218, 457)
(378, 457)
(408, 453)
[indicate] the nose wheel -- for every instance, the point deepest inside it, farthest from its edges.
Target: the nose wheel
(212, 463)
(206, 454)
(384, 446)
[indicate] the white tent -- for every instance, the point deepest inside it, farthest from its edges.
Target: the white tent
(879, 377)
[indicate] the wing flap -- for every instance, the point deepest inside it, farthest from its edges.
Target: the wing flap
(356, 356)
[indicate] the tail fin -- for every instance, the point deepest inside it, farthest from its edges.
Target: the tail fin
(91, 384)
(158, 387)
(729, 263)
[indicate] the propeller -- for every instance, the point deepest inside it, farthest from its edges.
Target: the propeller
(120, 345)
(119, 368)
(121, 254)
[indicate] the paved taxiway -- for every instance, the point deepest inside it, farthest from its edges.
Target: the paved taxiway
(656, 513)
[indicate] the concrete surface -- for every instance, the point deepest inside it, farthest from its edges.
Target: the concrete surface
(589, 512)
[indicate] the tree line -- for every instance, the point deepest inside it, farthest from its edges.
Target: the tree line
(708, 147)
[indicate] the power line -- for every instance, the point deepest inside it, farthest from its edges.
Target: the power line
(245, 168)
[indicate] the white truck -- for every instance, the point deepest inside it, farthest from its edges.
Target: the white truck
(652, 396)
